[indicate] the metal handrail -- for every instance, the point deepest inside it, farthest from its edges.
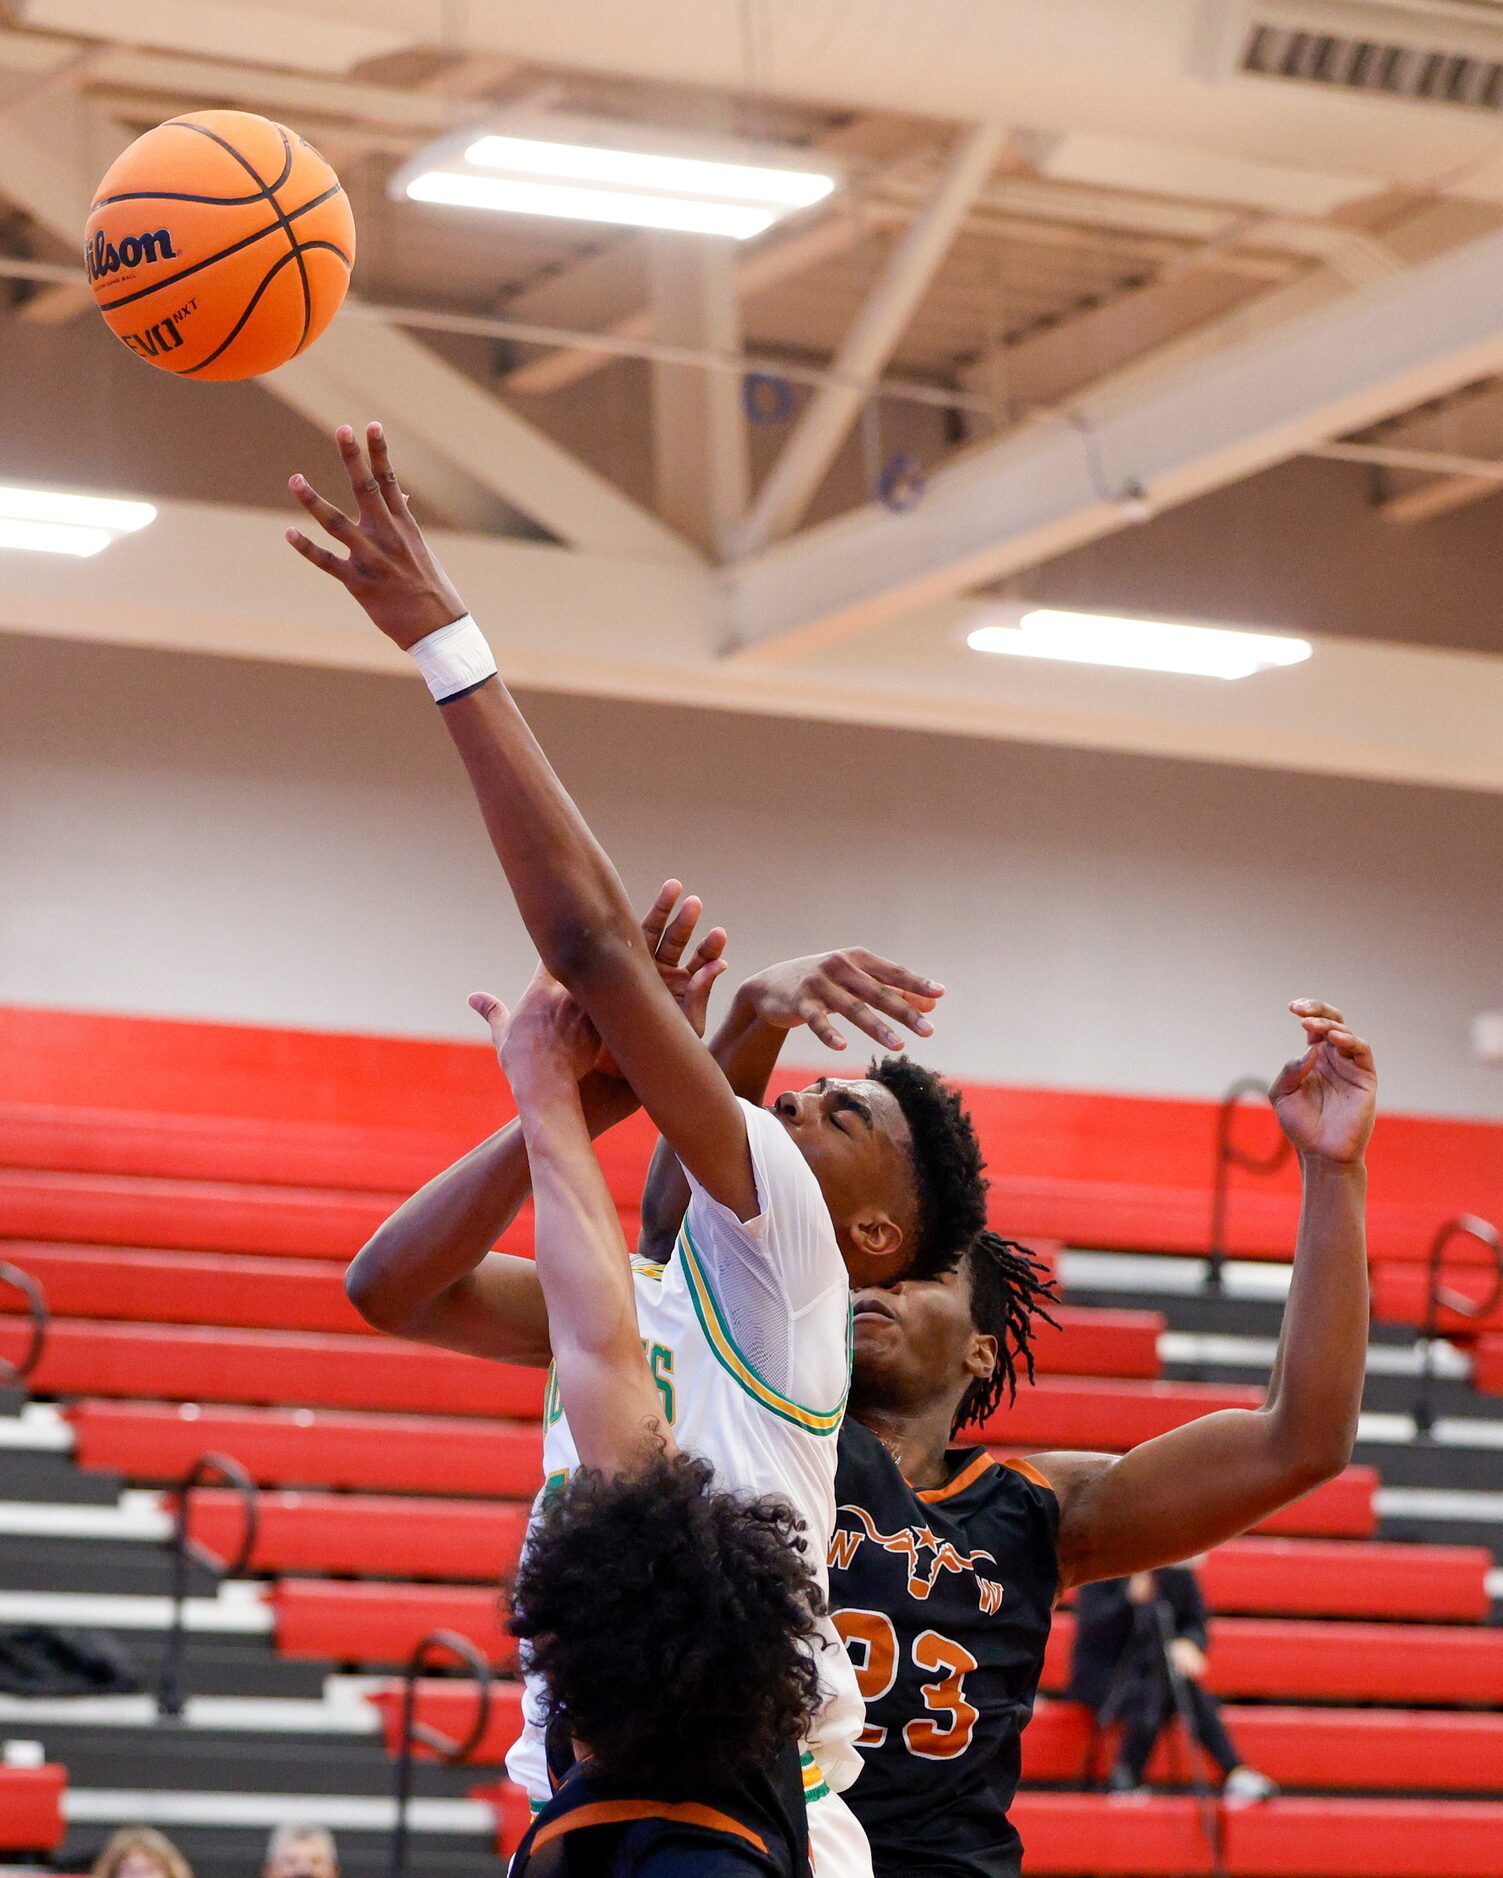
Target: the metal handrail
(1228, 1156)
(170, 1683)
(41, 1318)
(1463, 1226)
(413, 1730)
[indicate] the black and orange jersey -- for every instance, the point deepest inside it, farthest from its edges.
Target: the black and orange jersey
(755, 1827)
(944, 1599)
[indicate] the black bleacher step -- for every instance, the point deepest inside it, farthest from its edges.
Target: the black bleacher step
(203, 1760)
(115, 1566)
(1210, 1314)
(237, 1852)
(1425, 1464)
(228, 1666)
(49, 1477)
(1408, 1529)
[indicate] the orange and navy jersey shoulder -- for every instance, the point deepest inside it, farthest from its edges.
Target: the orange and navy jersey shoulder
(944, 1599)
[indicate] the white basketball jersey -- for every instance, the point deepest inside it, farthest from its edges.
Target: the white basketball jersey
(747, 1333)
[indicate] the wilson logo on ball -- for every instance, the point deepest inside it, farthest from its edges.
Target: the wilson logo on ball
(103, 257)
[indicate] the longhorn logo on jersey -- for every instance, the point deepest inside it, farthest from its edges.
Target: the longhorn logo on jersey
(926, 1554)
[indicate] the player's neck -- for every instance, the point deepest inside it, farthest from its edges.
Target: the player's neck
(918, 1442)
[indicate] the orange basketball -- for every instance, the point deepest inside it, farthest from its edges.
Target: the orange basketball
(219, 245)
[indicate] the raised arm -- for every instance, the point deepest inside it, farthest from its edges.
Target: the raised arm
(608, 1394)
(428, 1273)
(1214, 1478)
(567, 892)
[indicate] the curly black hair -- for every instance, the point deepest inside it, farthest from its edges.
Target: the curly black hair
(1011, 1291)
(947, 1163)
(673, 1625)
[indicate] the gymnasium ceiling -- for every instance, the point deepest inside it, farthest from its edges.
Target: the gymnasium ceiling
(1192, 307)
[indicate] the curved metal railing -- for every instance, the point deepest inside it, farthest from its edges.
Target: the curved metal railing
(229, 1470)
(1228, 1156)
(1464, 1226)
(414, 1731)
(36, 1304)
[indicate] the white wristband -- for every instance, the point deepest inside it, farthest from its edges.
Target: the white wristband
(454, 659)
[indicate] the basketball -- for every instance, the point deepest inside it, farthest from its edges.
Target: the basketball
(219, 245)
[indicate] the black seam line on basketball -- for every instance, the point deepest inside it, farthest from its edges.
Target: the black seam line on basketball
(266, 280)
(175, 195)
(266, 188)
(222, 202)
(109, 306)
(269, 190)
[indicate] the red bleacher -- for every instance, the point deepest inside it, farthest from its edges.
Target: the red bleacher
(1333, 1749)
(188, 1195)
(208, 1365)
(1292, 1838)
(108, 1358)
(31, 1808)
(1275, 1658)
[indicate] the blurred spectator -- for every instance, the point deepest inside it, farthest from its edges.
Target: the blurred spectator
(139, 1852)
(301, 1852)
(1130, 1634)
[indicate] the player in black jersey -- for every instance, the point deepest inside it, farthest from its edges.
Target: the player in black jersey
(945, 1565)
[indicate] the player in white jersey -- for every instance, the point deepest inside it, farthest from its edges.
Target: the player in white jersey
(746, 1333)
(893, 1159)
(670, 1623)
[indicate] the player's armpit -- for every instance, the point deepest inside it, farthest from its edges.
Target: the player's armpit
(1170, 1498)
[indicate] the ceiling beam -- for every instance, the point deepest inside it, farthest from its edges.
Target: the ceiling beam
(825, 421)
(610, 292)
(605, 626)
(701, 464)
(478, 462)
(1238, 400)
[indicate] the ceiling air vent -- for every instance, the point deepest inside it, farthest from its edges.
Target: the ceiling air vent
(1381, 67)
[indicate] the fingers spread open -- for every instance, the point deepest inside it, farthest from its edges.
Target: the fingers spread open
(898, 976)
(363, 485)
(859, 1013)
(655, 919)
(712, 946)
(680, 931)
(873, 991)
(320, 557)
(817, 1018)
(333, 521)
(386, 477)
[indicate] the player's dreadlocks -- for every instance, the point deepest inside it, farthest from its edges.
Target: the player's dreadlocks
(1010, 1292)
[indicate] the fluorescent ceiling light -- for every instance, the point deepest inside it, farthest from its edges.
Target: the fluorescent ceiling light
(587, 169)
(1141, 645)
(634, 169)
(53, 537)
(589, 205)
(49, 521)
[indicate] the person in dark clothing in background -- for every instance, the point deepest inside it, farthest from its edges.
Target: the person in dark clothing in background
(1132, 1635)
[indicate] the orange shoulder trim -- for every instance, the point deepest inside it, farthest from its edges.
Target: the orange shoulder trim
(618, 1812)
(1029, 1473)
(967, 1477)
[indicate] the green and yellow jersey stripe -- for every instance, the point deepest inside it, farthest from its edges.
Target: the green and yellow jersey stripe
(723, 1344)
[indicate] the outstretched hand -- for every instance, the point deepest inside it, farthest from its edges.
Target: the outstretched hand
(389, 567)
(1326, 1099)
(547, 1030)
(855, 984)
(688, 981)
